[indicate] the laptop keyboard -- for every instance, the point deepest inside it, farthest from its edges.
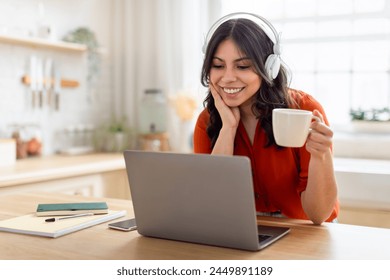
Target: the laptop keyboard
(263, 237)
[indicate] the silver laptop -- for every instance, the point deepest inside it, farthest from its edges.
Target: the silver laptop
(197, 198)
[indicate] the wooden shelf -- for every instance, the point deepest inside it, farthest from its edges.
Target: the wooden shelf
(42, 43)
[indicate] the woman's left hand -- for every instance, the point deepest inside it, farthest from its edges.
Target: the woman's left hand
(320, 138)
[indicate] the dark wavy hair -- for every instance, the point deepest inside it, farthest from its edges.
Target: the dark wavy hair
(252, 42)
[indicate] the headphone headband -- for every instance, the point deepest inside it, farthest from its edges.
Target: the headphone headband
(259, 20)
(273, 64)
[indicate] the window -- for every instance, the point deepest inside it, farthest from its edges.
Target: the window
(337, 50)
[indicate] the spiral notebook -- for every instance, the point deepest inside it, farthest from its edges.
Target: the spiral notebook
(34, 225)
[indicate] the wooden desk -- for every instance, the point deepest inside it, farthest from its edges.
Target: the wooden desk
(305, 241)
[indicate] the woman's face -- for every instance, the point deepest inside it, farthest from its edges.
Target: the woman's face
(233, 76)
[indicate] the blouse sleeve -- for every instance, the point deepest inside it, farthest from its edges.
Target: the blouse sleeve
(202, 143)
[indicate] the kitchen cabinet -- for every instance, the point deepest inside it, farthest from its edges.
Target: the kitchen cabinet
(96, 175)
(364, 217)
(364, 191)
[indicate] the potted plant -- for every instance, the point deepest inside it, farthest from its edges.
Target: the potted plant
(371, 121)
(84, 35)
(118, 136)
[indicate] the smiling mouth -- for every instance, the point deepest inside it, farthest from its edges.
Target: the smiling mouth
(232, 90)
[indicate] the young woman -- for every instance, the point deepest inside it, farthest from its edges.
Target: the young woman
(243, 91)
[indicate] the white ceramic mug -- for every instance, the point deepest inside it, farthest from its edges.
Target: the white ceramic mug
(291, 126)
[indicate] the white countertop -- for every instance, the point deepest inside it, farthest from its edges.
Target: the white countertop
(367, 166)
(363, 183)
(40, 169)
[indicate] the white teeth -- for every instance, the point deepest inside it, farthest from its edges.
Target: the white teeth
(232, 90)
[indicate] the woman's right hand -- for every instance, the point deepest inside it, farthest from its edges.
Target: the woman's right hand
(230, 119)
(230, 115)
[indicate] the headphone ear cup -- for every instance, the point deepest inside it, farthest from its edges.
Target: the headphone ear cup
(272, 66)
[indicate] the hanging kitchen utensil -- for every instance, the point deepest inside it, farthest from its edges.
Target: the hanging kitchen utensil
(39, 82)
(57, 87)
(33, 79)
(48, 81)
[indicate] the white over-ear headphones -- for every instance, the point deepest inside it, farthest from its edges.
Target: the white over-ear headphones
(273, 61)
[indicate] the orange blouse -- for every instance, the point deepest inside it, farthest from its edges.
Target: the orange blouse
(279, 175)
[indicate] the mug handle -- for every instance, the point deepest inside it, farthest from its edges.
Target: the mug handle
(316, 119)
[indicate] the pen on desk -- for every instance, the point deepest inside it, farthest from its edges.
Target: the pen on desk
(68, 217)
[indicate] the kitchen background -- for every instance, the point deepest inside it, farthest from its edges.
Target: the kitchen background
(337, 50)
(80, 108)
(140, 47)
(132, 80)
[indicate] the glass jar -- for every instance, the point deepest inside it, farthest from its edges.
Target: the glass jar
(153, 112)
